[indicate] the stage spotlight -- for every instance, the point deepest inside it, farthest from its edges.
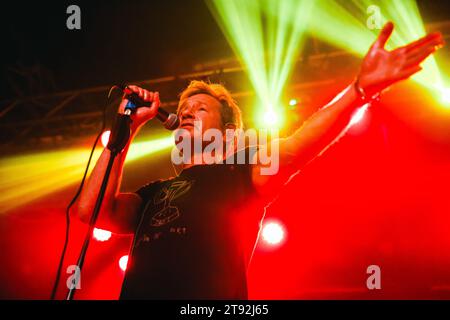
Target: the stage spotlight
(273, 233)
(123, 262)
(105, 138)
(270, 118)
(445, 96)
(293, 102)
(101, 235)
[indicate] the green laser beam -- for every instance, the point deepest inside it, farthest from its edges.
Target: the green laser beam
(266, 36)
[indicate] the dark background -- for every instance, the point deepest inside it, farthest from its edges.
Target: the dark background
(118, 41)
(132, 40)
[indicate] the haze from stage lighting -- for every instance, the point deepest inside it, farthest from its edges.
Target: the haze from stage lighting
(267, 37)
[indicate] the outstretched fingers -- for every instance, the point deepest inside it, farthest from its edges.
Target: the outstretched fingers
(384, 35)
(419, 57)
(430, 40)
(408, 72)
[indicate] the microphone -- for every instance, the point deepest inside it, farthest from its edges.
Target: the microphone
(169, 120)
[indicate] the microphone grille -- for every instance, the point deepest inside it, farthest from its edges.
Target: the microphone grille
(172, 122)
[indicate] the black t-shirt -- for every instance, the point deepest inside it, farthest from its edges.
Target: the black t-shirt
(189, 243)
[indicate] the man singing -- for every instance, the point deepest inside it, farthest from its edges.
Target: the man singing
(186, 239)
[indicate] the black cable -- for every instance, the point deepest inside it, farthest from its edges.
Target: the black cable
(74, 199)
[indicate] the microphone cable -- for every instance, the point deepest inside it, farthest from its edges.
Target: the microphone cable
(74, 199)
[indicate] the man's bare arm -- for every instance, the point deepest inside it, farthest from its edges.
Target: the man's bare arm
(119, 210)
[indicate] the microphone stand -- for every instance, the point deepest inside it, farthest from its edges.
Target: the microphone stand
(120, 134)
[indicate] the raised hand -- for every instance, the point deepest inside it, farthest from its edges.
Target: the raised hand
(381, 68)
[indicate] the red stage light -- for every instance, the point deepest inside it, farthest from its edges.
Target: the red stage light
(273, 233)
(123, 262)
(101, 235)
(105, 138)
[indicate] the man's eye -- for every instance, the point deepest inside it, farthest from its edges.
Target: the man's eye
(202, 109)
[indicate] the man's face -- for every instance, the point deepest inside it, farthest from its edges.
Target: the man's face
(202, 109)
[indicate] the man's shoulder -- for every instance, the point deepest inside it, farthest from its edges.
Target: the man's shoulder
(151, 184)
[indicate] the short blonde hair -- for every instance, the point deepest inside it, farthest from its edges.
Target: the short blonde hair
(229, 112)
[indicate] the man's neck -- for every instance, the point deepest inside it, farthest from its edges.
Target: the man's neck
(198, 159)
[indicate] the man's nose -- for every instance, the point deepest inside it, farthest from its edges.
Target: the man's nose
(186, 113)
